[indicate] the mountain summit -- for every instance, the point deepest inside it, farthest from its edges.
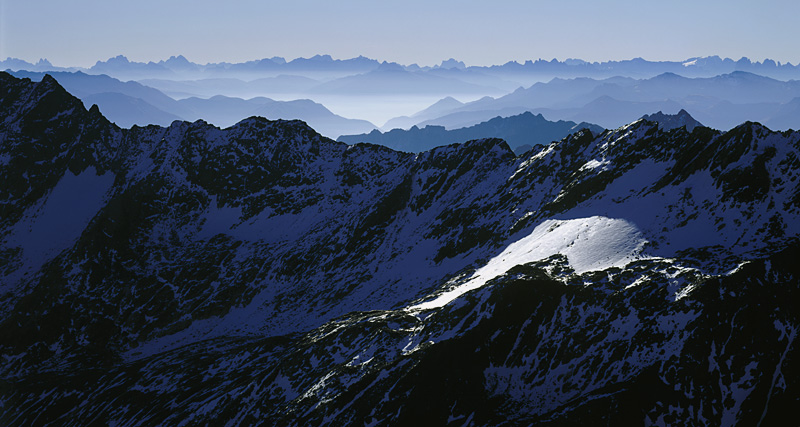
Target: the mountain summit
(264, 274)
(673, 121)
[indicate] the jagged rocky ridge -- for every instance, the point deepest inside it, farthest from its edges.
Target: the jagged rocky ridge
(265, 274)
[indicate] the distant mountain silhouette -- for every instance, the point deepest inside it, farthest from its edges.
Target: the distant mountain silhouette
(126, 111)
(226, 111)
(539, 69)
(673, 121)
(180, 64)
(439, 107)
(720, 102)
(323, 66)
(391, 78)
(521, 131)
(719, 92)
(162, 110)
(281, 84)
(120, 67)
(640, 68)
(461, 119)
(737, 87)
(475, 76)
(786, 117)
(131, 103)
(452, 63)
(15, 64)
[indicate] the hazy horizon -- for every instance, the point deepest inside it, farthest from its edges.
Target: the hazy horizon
(433, 64)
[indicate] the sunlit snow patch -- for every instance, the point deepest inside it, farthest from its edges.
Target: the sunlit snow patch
(594, 243)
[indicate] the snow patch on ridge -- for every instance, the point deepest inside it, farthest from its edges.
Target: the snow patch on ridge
(594, 164)
(594, 243)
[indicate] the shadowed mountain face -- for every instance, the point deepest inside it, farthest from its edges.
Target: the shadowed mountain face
(266, 274)
(521, 132)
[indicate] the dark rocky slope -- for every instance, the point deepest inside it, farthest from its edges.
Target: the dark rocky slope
(263, 274)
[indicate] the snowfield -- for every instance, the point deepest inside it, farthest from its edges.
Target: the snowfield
(594, 243)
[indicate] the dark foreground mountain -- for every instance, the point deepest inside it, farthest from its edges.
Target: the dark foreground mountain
(521, 132)
(263, 274)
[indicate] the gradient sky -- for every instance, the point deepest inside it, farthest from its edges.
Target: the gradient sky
(80, 32)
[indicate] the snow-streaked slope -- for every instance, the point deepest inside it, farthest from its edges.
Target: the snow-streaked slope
(595, 243)
(263, 274)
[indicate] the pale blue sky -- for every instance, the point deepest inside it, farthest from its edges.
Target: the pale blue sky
(79, 32)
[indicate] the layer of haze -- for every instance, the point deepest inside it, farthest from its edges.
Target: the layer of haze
(80, 32)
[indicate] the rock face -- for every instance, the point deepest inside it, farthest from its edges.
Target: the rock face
(264, 274)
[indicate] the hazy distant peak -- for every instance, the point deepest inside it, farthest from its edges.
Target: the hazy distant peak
(180, 59)
(321, 58)
(739, 74)
(448, 101)
(528, 114)
(673, 121)
(575, 61)
(604, 99)
(441, 106)
(452, 63)
(669, 75)
(119, 59)
(390, 66)
(178, 63)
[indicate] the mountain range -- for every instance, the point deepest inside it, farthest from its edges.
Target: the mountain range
(521, 133)
(721, 102)
(265, 274)
(121, 67)
(396, 79)
(131, 103)
(720, 93)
